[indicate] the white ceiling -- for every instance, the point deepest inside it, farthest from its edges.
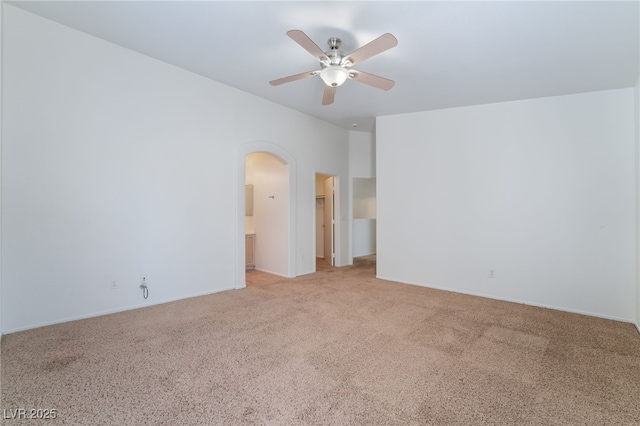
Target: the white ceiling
(449, 53)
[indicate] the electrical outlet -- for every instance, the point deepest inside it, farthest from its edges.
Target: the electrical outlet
(492, 273)
(114, 285)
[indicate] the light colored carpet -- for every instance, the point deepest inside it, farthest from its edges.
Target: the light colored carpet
(337, 347)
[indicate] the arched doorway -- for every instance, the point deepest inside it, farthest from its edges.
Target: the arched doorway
(266, 228)
(274, 165)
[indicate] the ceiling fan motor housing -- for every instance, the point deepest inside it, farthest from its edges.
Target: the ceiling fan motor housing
(334, 43)
(335, 56)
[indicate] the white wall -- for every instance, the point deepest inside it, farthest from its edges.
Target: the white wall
(270, 179)
(115, 165)
(364, 198)
(637, 123)
(542, 191)
(1, 136)
(364, 237)
(362, 154)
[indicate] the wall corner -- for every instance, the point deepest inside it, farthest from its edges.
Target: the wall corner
(636, 116)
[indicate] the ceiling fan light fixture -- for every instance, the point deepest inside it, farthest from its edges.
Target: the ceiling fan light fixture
(334, 75)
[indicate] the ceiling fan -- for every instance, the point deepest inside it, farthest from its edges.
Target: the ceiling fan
(335, 66)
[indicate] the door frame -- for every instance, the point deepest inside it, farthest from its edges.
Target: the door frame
(276, 151)
(337, 232)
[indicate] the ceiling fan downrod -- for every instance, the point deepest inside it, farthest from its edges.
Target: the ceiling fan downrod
(335, 56)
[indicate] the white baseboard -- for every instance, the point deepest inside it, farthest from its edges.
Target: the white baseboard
(272, 273)
(522, 302)
(112, 311)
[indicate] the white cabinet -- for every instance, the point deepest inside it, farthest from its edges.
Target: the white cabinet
(249, 257)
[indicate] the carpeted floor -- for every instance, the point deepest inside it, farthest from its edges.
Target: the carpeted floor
(338, 347)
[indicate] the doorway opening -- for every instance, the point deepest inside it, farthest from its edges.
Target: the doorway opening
(326, 223)
(363, 236)
(265, 230)
(267, 222)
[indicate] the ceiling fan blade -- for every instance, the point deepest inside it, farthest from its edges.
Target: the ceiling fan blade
(329, 95)
(379, 45)
(293, 78)
(303, 40)
(371, 79)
